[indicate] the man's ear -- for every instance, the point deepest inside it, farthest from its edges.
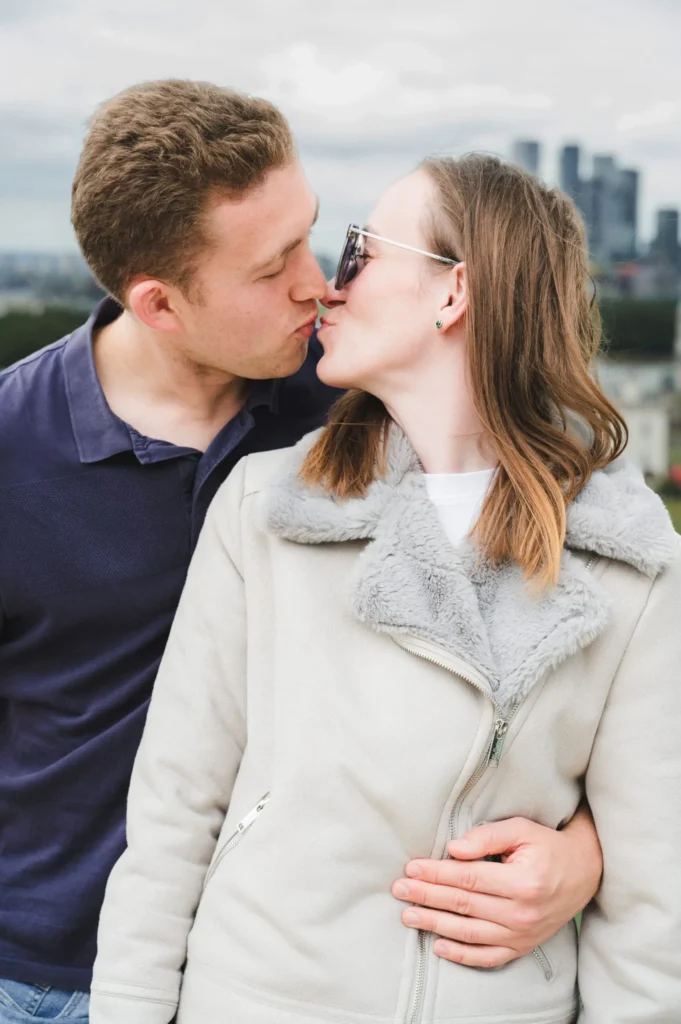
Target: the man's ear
(154, 303)
(454, 301)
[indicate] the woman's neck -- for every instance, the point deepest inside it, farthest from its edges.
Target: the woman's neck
(446, 433)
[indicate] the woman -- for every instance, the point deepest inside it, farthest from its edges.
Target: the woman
(456, 592)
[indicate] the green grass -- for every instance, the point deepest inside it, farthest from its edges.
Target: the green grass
(674, 506)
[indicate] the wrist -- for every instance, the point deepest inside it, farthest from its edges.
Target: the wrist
(581, 833)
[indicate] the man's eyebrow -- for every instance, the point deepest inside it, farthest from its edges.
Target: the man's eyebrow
(286, 249)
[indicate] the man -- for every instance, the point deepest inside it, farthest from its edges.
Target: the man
(193, 212)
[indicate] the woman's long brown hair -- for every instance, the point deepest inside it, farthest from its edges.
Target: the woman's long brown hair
(533, 333)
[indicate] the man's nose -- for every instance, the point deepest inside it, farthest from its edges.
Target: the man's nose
(311, 284)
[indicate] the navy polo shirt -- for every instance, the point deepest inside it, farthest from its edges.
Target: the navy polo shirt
(97, 526)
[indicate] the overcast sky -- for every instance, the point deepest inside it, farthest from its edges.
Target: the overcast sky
(370, 86)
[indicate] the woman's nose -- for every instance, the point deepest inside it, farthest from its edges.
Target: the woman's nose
(331, 296)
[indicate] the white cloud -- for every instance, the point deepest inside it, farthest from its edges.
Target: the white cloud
(661, 113)
(309, 84)
(370, 85)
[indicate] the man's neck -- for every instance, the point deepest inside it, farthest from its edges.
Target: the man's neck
(160, 394)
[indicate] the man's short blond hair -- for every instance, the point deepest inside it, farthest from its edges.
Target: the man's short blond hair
(154, 158)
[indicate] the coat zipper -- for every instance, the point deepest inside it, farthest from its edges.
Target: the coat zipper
(242, 828)
(499, 730)
(420, 981)
(544, 962)
(491, 759)
(491, 756)
(495, 746)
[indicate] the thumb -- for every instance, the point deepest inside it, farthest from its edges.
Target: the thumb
(488, 840)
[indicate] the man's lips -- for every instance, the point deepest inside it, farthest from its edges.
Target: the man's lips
(308, 327)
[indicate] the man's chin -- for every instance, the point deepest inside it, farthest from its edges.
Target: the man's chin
(292, 360)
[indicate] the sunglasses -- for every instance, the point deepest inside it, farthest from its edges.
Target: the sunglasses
(353, 260)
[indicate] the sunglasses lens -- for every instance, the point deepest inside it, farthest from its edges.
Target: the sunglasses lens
(347, 265)
(346, 273)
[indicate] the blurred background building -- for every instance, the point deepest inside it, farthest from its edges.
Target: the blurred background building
(608, 198)
(526, 154)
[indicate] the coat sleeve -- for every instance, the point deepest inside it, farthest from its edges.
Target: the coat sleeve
(181, 784)
(630, 945)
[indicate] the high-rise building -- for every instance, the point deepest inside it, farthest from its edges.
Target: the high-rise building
(610, 205)
(591, 206)
(604, 208)
(604, 166)
(666, 242)
(607, 199)
(629, 182)
(570, 181)
(526, 154)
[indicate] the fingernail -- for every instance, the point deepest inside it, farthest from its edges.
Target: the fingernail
(439, 948)
(413, 869)
(462, 845)
(401, 889)
(410, 917)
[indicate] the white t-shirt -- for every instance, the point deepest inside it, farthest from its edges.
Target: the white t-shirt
(458, 498)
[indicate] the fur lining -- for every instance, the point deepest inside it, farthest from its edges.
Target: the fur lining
(410, 579)
(617, 515)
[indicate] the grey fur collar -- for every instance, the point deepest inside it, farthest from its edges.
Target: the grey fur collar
(411, 580)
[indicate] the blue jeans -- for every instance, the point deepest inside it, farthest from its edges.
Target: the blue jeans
(28, 1004)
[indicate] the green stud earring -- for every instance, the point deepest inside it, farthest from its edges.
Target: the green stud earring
(438, 324)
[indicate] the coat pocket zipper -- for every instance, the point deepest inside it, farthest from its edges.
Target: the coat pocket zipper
(244, 826)
(544, 962)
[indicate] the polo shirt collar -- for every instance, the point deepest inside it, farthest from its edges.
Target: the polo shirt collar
(264, 393)
(99, 433)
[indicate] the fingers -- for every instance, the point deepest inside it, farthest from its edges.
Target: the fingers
(495, 838)
(454, 901)
(525, 925)
(464, 930)
(474, 956)
(479, 876)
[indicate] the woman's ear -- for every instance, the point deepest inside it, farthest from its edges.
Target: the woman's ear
(455, 297)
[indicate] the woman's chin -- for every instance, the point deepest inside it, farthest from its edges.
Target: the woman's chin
(330, 372)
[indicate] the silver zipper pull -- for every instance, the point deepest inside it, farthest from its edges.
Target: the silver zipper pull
(246, 822)
(500, 730)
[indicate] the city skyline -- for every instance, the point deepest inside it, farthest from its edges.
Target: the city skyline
(608, 197)
(570, 161)
(369, 89)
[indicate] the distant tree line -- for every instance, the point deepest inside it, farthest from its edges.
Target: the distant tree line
(632, 328)
(22, 333)
(638, 328)
(53, 286)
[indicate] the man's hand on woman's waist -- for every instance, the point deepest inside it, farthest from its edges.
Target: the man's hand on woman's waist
(486, 914)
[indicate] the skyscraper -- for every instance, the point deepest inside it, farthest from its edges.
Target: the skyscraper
(666, 243)
(611, 211)
(526, 153)
(629, 180)
(569, 172)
